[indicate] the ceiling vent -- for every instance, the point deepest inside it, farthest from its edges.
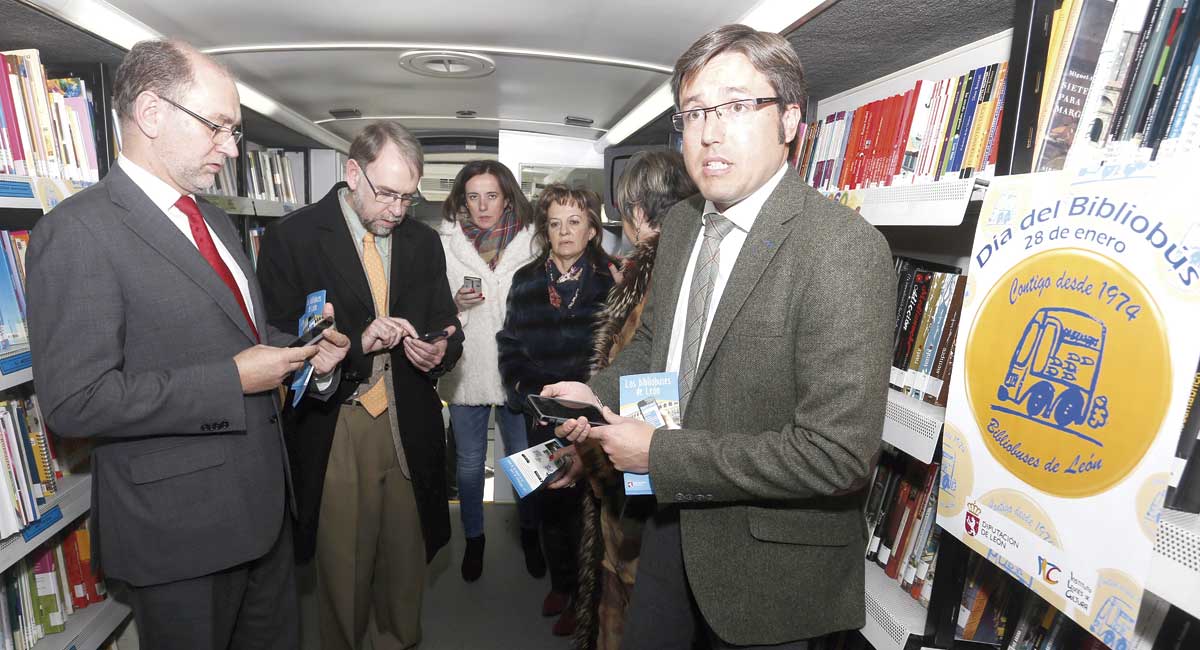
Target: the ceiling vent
(345, 113)
(575, 120)
(465, 113)
(447, 64)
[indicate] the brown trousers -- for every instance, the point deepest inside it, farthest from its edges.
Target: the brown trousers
(370, 554)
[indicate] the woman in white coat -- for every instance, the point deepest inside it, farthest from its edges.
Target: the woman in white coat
(487, 235)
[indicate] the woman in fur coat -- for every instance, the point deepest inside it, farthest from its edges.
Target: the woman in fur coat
(547, 338)
(653, 182)
(487, 234)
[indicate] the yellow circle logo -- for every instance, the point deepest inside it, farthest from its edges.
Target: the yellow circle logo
(1067, 371)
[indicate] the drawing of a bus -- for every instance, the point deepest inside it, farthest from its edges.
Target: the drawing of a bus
(1113, 625)
(1055, 366)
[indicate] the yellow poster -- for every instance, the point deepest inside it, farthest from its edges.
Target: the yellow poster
(1075, 357)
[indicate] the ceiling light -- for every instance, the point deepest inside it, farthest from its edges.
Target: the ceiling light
(345, 113)
(447, 64)
(465, 113)
(575, 120)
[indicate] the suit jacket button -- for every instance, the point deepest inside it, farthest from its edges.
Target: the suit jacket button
(274, 419)
(205, 427)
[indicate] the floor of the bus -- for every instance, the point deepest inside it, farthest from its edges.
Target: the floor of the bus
(500, 611)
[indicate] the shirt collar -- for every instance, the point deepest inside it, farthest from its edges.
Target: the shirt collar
(160, 192)
(744, 212)
(357, 229)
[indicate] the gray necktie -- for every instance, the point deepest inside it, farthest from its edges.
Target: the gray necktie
(704, 279)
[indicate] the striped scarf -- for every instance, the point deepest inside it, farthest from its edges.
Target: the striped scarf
(490, 243)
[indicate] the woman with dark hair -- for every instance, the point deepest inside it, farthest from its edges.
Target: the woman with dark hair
(653, 182)
(487, 235)
(547, 338)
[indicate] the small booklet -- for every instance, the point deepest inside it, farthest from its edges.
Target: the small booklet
(532, 468)
(314, 306)
(652, 398)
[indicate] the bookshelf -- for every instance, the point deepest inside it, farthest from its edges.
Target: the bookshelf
(16, 192)
(1175, 568)
(87, 628)
(74, 498)
(892, 614)
(912, 426)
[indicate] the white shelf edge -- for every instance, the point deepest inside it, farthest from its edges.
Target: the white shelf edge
(892, 614)
(87, 628)
(74, 498)
(912, 426)
(272, 208)
(1175, 566)
(15, 379)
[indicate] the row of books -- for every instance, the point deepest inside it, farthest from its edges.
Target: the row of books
(31, 470)
(45, 587)
(936, 129)
(1119, 77)
(901, 513)
(273, 174)
(929, 299)
(46, 125)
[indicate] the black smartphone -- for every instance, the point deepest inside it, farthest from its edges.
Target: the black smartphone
(557, 411)
(314, 332)
(430, 337)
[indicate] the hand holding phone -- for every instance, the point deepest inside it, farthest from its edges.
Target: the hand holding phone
(430, 337)
(314, 332)
(557, 410)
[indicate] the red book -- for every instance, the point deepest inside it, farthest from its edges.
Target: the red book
(852, 147)
(908, 537)
(910, 109)
(79, 596)
(864, 142)
(883, 144)
(895, 517)
(8, 105)
(91, 581)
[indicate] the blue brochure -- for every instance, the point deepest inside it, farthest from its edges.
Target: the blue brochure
(314, 305)
(651, 398)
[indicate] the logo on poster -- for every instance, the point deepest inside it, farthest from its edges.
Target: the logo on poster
(1048, 570)
(1068, 371)
(971, 519)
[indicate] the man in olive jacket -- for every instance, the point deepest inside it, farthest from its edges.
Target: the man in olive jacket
(759, 537)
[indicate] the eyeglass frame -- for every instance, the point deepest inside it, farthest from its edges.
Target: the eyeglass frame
(754, 103)
(235, 132)
(411, 200)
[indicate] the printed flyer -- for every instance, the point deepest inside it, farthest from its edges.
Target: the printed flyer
(653, 398)
(1075, 358)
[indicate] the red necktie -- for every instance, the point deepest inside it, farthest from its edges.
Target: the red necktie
(204, 242)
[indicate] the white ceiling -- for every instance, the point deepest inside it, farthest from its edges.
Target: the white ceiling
(531, 93)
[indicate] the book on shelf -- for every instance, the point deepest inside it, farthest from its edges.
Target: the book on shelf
(1065, 100)
(42, 590)
(1138, 100)
(47, 126)
(937, 128)
(274, 174)
(929, 301)
(1027, 60)
(899, 512)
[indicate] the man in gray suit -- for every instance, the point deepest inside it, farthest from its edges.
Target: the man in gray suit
(148, 333)
(775, 305)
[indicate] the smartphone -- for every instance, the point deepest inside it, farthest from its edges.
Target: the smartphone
(314, 332)
(472, 282)
(557, 411)
(651, 413)
(430, 337)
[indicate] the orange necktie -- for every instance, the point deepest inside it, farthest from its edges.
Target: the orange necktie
(375, 399)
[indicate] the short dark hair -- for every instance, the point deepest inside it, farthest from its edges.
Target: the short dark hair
(769, 53)
(370, 142)
(456, 202)
(161, 66)
(655, 180)
(586, 200)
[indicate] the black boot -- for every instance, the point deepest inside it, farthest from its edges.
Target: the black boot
(535, 563)
(472, 563)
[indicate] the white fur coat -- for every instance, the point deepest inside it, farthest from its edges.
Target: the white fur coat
(476, 379)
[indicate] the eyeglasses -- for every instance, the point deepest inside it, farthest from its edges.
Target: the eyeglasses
(389, 198)
(221, 134)
(734, 111)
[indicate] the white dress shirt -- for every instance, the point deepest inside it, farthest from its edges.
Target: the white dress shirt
(742, 215)
(164, 197)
